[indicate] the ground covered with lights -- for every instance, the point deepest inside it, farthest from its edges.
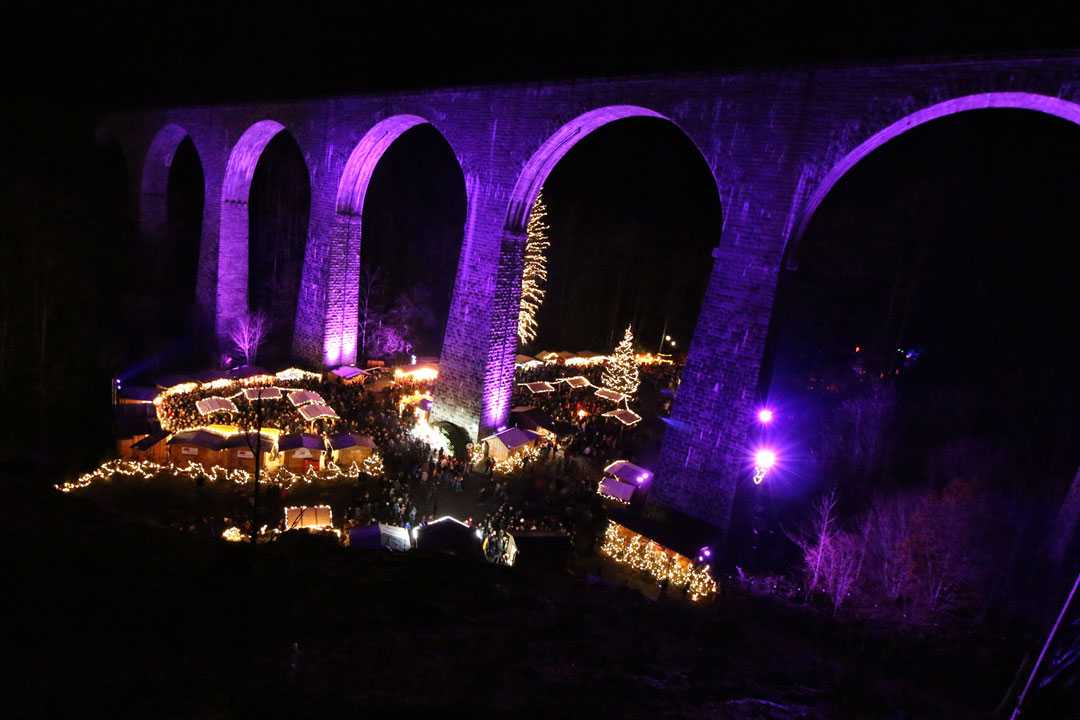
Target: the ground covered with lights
(148, 621)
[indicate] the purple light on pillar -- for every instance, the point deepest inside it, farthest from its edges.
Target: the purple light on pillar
(340, 325)
(332, 351)
(764, 416)
(232, 289)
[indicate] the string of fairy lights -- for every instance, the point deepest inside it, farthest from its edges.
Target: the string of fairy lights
(173, 419)
(534, 271)
(629, 548)
(371, 466)
(621, 371)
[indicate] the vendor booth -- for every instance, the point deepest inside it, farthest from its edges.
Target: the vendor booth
(348, 375)
(610, 395)
(451, 536)
(150, 447)
(200, 446)
(629, 418)
(510, 442)
(301, 452)
(624, 482)
(533, 419)
(240, 450)
(315, 517)
(347, 448)
(539, 388)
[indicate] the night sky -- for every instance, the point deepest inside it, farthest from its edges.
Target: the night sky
(633, 214)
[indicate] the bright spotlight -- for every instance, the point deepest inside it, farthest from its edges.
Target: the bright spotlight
(764, 460)
(765, 416)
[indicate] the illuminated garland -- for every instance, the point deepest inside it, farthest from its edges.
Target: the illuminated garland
(586, 361)
(534, 272)
(147, 470)
(476, 453)
(421, 374)
(650, 359)
(516, 462)
(171, 420)
(627, 547)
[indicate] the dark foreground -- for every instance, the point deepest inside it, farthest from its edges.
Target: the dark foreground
(106, 617)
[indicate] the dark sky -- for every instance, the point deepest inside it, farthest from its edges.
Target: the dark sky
(124, 52)
(633, 214)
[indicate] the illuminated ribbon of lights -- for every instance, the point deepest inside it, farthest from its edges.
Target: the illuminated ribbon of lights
(534, 271)
(518, 460)
(627, 547)
(148, 470)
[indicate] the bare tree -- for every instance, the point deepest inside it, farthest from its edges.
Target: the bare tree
(371, 291)
(833, 558)
(815, 540)
(248, 334)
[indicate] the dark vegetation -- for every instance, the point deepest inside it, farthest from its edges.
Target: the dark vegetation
(123, 617)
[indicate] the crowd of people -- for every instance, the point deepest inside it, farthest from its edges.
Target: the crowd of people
(554, 492)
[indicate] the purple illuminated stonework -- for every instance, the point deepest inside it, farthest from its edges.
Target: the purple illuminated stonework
(776, 144)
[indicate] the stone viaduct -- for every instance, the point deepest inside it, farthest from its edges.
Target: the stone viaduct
(776, 143)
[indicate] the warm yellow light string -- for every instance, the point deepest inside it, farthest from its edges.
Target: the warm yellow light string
(640, 553)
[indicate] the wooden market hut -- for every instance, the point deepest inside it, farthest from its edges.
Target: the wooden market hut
(347, 448)
(302, 451)
(348, 375)
(625, 483)
(507, 443)
(533, 419)
(238, 449)
(146, 447)
(201, 446)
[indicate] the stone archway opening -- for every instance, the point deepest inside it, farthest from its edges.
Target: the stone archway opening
(278, 212)
(178, 264)
(413, 220)
(265, 207)
(918, 344)
(397, 233)
(642, 257)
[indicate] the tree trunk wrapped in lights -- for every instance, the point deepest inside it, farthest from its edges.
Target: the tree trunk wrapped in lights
(534, 274)
(621, 370)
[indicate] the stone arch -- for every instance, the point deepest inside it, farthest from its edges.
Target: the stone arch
(154, 183)
(233, 239)
(1046, 104)
(499, 375)
(340, 329)
(547, 156)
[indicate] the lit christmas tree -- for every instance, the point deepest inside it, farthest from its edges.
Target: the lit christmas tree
(534, 274)
(621, 371)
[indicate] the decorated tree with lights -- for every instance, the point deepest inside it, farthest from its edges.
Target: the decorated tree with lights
(621, 370)
(534, 274)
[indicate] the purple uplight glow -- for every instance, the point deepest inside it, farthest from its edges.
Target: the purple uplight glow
(765, 416)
